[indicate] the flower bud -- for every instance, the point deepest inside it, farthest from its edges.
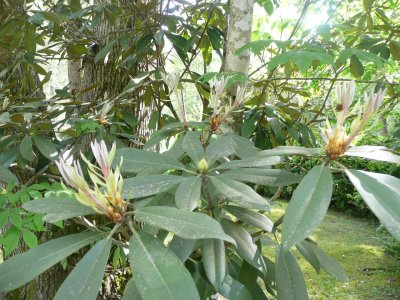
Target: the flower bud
(202, 166)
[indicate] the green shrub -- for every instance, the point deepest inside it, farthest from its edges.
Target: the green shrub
(344, 197)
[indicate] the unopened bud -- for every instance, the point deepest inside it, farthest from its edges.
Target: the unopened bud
(202, 166)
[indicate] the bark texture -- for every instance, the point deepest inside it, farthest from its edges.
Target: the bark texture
(240, 22)
(239, 34)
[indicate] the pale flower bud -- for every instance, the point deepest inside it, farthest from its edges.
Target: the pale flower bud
(202, 166)
(108, 201)
(344, 98)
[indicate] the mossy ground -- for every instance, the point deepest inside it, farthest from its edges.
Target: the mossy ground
(358, 246)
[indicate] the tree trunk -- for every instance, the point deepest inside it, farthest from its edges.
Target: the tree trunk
(104, 79)
(238, 34)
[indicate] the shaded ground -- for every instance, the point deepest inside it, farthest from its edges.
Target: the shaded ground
(358, 246)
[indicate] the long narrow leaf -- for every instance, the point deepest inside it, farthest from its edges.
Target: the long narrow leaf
(234, 290)
(251, 162)
(329, 264)
(223, 146)
(239, 193)
(188, 193)
(292, 150)
(131, 291)
(192, 146)
(58, 208)
(136, 160)
(85, 280)
(188, 225)
(270, 177)
(157, 272)
(382, 194)
(214, 261)
(250, 217)
(289, 278)
(22, 268)
(144, 186)
(245, 245)
(182, 247)
(374, 152)
(308, 206)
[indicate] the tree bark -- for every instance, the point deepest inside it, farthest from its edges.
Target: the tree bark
(240, 21)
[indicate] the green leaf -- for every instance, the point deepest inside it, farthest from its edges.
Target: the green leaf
(374, 152)
(182, 247)
(289, 278)
(250, 162)
(214, 261)
(249, 125)
(56, 205)
(3, 218)
(135, 160)
(218, 148)
(157, 272)
(170, 130)
(85, 279)
(368, 4)
(188, 193)
(329, 264)
(177, 40)
(143, 186)
(75, 5)
(303, 59)
(192, 146)
(308, 253)
(234, 290)
(144, 42)
(250, 217)
(267, 5)
(8, 156)
(356, 67)
(46, 147)
(129, 119)
(13, 272)
(290, 150)
(103, 52)
(382, 194)
(154, 117)
(29, 238)
(7, 176)
(25, 148)
(244, 147)
(308, 206)
(131, 291)
(245, 245)
(188, 225)
(58, 208)
(394, 47)
(269, 177)
(324, 30)
(30, 37)
(10, 242)
(248, 276)
(215, 36)
(239, 193)
(16, 219)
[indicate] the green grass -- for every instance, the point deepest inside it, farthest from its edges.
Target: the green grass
(357, 245)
